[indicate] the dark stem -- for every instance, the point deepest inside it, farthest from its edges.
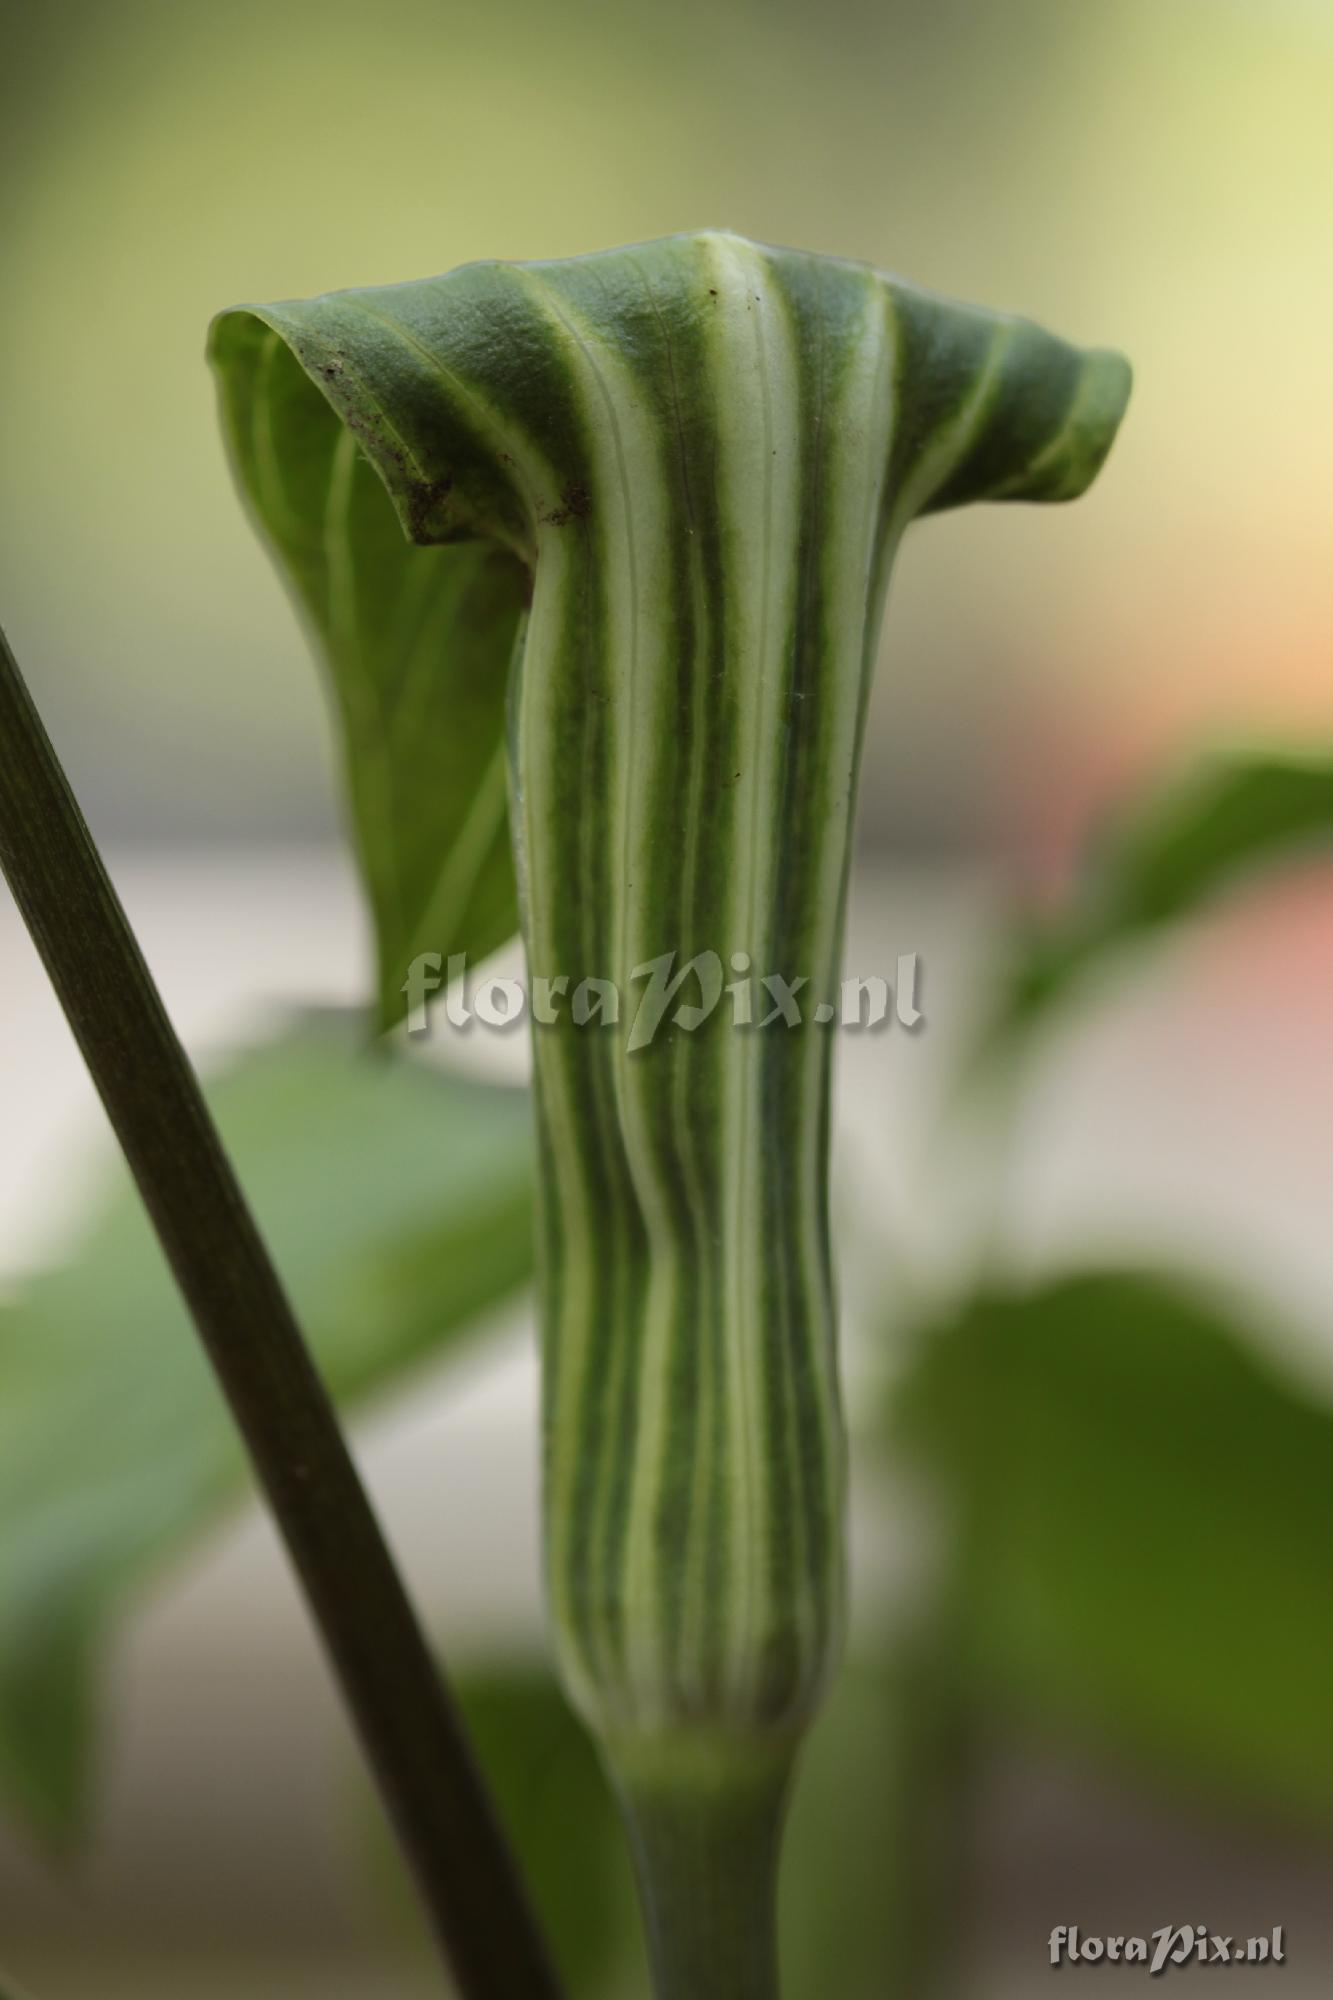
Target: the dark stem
(408, 1727)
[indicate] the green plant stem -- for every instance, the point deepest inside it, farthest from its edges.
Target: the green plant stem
(408, 1727)
(706, 1830)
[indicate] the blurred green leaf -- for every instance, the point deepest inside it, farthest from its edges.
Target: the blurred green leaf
(851, 1856)
(417, 644)
(559, 1814)
(836, 1861)
(557, 1805)
(397, 1202)
(1161, 862)
(1148, 1505)
(872, 1878)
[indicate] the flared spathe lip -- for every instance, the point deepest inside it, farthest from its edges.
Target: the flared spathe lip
(448, 385)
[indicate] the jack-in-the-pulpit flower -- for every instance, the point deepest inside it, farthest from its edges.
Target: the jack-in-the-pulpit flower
(679, 473)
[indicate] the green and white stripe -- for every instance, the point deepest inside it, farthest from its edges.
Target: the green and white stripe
(699, 455)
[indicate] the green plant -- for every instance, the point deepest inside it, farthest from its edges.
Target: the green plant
(603, 421)
(1046, 1607)
(679, 474)
(399, 1704)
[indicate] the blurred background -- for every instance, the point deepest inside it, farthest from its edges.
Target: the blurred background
(1155, 175)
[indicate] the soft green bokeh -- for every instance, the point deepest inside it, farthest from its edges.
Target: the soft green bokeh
(397, 1200)
(1152, 172)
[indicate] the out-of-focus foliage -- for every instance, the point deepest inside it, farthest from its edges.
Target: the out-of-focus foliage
(1143, 1504)
(559, 1812)
(397, 1202)
(1107, 169)
(1139, 1514)
(553, 1795)
(1173, 853)
(851, 1867)
(871, 1876)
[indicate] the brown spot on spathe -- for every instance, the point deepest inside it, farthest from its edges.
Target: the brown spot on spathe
(424, 500)
(575, 505)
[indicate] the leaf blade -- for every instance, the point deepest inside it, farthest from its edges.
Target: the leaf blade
(115, 1447)
(1169, 857)
(1150, 1500)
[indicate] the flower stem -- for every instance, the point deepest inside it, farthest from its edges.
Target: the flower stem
(409, 1730)
(706, 1831)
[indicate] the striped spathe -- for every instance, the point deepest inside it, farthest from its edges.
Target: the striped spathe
(658, 493)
